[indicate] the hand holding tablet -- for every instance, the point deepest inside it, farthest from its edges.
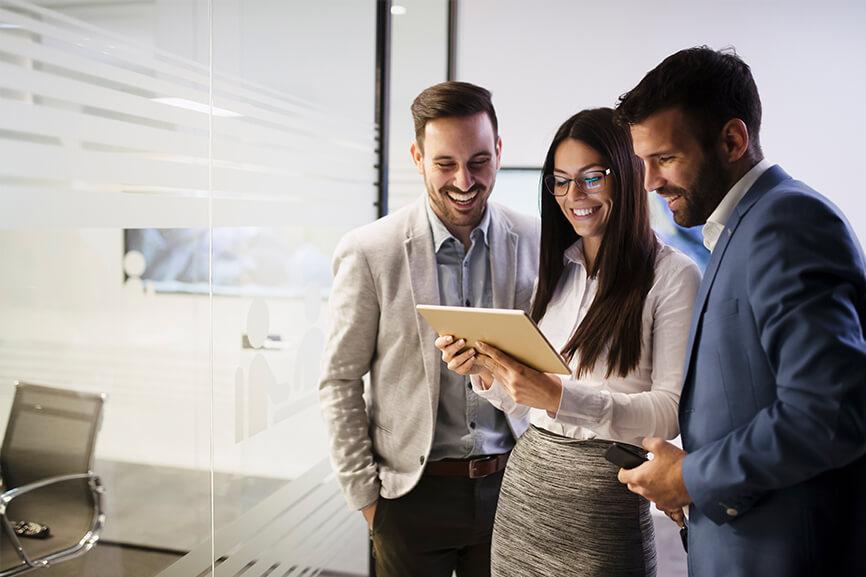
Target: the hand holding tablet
(510, 331)
(500, 344)
(461, 359)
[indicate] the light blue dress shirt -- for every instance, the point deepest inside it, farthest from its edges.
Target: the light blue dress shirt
(466, 425)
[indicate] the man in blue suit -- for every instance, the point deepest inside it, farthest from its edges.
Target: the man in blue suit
(773, 408)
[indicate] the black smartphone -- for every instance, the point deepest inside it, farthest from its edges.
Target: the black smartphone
(624, 456)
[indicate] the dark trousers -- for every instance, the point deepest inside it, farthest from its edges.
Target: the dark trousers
(442, 525)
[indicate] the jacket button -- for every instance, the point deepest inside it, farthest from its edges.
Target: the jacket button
(421, 459)
(731, 512)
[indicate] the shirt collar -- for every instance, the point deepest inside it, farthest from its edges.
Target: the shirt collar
(442, 234)
(717, 220)
(574, 254)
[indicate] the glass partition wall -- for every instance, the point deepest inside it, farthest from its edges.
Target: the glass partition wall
(174, 175)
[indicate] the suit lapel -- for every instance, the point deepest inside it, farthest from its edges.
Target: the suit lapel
(771, 178)
(704, 290)
(502, 242)
(424, 281)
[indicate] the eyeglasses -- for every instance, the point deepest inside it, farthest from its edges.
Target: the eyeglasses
(590, 182)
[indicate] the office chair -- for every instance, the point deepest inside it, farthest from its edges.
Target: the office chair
(45, 467)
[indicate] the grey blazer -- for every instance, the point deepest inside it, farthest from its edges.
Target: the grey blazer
(379, 442)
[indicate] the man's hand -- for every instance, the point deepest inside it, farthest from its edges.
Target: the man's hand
(678, 516)
(661, 479)
(369, 513)
(524, 384)
(462, 363)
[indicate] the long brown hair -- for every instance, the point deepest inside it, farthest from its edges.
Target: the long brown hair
(625, 265)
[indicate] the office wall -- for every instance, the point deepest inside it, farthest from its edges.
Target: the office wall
(545, 63)
(419, 58)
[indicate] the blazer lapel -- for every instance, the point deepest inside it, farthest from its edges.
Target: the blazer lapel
(771, 178)
(502, 242)
(503, 276)
(424, 281)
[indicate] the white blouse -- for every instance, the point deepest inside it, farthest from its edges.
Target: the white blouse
(644, 402)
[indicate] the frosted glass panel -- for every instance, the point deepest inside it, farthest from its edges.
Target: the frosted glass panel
(175, 175)
(87, 151)
(269, 435)
(84, 133)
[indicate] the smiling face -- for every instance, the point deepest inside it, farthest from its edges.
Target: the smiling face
(587, 214)
(692, 179)
(459, 162)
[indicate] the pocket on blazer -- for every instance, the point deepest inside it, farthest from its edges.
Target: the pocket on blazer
(735, 370)
(726, 308)
(383, 441)
(382, 428)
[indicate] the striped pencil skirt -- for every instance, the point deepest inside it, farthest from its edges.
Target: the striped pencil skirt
(562, 512)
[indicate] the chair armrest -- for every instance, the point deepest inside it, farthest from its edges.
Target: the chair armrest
(86, 542)
(7, 496)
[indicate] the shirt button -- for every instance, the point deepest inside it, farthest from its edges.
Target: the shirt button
(421, 459)
(468, 304)
(472, 425)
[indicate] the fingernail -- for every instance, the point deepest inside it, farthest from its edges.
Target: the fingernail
(449, 338)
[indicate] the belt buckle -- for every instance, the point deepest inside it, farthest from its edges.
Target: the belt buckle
(474, 464)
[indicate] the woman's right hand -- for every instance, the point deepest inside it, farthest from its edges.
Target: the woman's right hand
(462, 363)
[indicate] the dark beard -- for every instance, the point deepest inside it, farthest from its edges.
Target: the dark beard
(704, 194)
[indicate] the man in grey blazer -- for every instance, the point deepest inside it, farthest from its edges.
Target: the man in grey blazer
(420, 454)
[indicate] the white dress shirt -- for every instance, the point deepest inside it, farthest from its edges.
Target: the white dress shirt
(716, 221)
(644, 402)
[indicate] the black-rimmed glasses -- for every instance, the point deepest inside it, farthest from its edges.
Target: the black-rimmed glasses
(590, 182)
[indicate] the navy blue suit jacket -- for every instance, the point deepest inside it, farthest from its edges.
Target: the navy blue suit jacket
(773, 408)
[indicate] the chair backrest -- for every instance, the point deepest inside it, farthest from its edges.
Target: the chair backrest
(50, 432)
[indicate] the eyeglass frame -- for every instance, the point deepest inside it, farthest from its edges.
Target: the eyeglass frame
(605, 172)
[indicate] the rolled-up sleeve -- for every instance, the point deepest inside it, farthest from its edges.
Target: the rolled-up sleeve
(497, 396)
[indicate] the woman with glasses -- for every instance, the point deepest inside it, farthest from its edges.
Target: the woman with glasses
(617, 303)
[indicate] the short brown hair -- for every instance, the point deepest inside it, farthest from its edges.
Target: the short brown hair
(449, 99)
(710, 86)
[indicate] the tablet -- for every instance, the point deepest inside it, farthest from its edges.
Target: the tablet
(510, 331)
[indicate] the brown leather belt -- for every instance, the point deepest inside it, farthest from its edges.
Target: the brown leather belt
(472, 468)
